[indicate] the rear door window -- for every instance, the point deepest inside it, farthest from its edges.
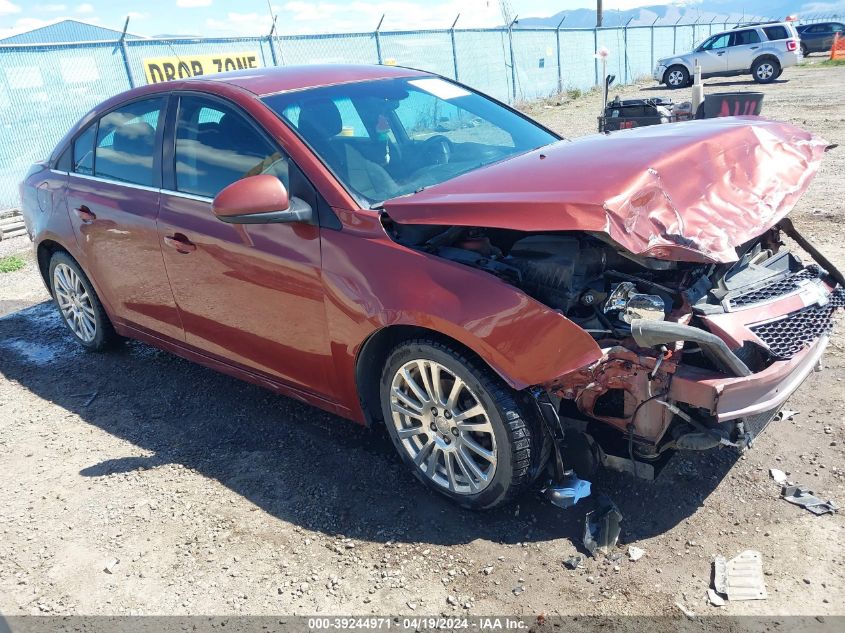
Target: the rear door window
(126, 142)
(743, 38)
(776, 32)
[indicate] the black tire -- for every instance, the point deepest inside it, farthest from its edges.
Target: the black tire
(104, 336)
(676, 76)
(804, 51)
(518, 440)
(765, 70)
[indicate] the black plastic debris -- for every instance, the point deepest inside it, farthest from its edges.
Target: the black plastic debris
(807, 499)
(601, 527)
(573, 562)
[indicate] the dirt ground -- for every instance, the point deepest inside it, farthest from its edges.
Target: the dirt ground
(135, 482)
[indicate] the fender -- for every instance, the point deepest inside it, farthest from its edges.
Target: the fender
(521, 339)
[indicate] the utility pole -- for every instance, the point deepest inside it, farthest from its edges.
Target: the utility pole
(599, 13)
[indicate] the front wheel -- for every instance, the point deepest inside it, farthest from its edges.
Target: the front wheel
(460, 429)
(765, 70)
(676, 77)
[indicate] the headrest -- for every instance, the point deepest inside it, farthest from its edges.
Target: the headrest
(319, 118)
(233, 127)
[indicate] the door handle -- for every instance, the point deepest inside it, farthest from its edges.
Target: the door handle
(85, 214)
(180, 243)
(720, 54)
(754, 48)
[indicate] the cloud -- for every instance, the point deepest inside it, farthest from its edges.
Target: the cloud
(85, 7)
(52, 8)
(136, 15)
(192, 4)
(241, 24)
(7, 8)
(300, 16)
(823, 7)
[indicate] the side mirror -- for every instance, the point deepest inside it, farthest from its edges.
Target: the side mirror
(260, 199)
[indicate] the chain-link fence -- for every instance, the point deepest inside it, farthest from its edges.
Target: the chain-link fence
(45, 88)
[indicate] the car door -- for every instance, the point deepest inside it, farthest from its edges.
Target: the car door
(113, 201)
(248, 294)
(742, 49)
(830, 34)
(711, 55)
(814, 37)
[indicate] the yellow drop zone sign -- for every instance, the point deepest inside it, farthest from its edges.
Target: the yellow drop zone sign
(158, 69)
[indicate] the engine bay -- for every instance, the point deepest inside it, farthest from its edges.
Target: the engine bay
(597, 285)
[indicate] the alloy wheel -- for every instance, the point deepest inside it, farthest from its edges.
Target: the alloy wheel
(765, 70)
(675, 78)
(74, 302)
(443, 426)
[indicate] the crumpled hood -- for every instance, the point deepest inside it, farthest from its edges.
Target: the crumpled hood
(690, 191)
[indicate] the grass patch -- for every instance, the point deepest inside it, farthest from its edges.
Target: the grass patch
(574, 93)
(832, 62)
(11, 263)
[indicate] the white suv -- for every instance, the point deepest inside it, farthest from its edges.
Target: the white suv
(763, 50)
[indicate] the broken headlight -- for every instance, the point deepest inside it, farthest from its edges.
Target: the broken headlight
(630, 304)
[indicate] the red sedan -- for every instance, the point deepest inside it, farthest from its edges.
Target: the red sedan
(399, 249)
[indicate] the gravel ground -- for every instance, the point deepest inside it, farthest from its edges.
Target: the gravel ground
(138, 483)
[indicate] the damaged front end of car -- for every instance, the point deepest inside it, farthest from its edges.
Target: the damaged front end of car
(705, 322)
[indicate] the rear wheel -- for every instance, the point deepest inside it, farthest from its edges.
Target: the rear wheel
(676, 77)
(804, 51)
(765, 70)
(79, 305)
(459, 428)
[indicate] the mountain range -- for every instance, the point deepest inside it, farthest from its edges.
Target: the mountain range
(687, 12)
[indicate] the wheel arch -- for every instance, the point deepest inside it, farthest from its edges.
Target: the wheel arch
(44, 253)
(767, 55)
(374, 353)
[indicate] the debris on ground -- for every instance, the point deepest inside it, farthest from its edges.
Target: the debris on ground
(573, 562)
(785, 414)
(687, 612)
(601, 527)
(715, 599)
(740, 578)
(567, 492)
(778, 475)
(635, 553)
(807, 499)
(109, 568)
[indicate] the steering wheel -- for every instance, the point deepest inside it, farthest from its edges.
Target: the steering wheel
(438, 149)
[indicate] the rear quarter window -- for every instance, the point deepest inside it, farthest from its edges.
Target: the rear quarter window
(83, 151)
(776, 32)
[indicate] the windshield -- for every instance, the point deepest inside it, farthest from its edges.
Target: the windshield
(391, 137)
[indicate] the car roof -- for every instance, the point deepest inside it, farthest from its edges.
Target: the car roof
(265, 81)
(748, 25)
(808, 25)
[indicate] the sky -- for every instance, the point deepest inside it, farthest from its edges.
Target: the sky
(252, 17)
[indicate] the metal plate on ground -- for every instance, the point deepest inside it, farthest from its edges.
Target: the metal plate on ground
(740, 578)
